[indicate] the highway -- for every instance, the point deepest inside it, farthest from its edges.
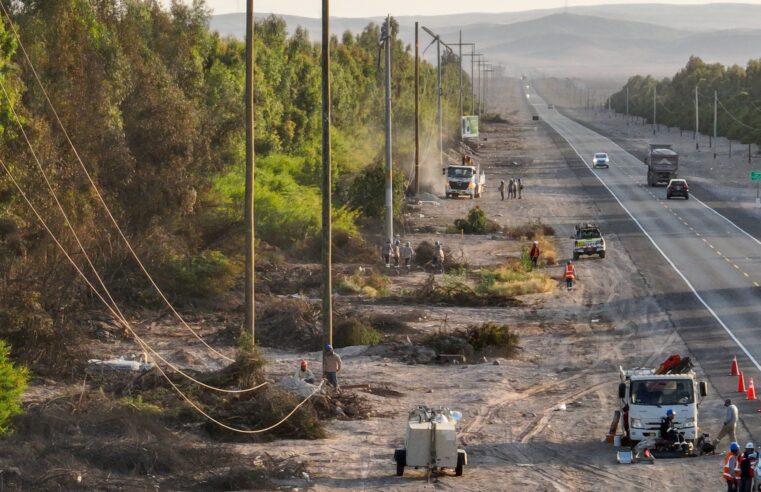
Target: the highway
(718, 262)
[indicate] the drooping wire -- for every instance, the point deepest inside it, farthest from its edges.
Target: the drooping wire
(734, 118)
(98, 194)
(112, 306)
(137, 337)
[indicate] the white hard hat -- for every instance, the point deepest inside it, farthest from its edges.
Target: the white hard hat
(536, 242)
(750, 446)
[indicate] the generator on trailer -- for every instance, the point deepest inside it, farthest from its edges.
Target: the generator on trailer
(431, 441)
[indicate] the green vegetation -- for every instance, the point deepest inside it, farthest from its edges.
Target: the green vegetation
(514, 278)
(739, 90)
(489, 338)
(13, 381)
(353, 331)
(369, 283)
(475, 223)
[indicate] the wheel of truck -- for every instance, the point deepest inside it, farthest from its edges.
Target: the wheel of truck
(602, 254)
(575, 256)
(686, 197)
(400, 456)
(399, 469)
(460, 464)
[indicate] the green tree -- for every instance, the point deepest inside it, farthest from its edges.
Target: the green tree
(13, 382)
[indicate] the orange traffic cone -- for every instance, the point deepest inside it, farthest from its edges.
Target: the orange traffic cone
(734, 370)
(741, 383)
(751, 391)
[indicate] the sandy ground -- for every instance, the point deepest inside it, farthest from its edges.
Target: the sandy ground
(573, 342)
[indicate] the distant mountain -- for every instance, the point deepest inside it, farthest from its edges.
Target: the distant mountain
(612, 40)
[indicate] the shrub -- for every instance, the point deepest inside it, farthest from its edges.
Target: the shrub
(367, 192)
(530, 230)
(13, 382)
(208, 274)
(367, 282)
(486, 339)
(516, 277)
(354, 331)
(476, 223)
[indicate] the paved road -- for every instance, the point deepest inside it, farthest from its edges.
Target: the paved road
(719, 263)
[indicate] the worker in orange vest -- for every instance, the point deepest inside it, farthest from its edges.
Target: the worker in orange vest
(731, 472)
(570, 274)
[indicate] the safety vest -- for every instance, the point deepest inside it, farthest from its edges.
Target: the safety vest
(570, 271)
(731, 467)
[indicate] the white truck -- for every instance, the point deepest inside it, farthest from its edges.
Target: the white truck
(431, 441)
(646, 396)
(466, 179)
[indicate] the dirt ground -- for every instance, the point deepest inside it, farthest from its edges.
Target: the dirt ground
(513, 428)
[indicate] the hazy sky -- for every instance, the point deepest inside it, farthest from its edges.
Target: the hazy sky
(365, 8)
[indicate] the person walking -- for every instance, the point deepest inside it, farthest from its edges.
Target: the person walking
(534, 254)
(501, 189)
(519, 187)
(332, 363)
(386, 253)
(407, 253)
(747, 466)
(396, 251)
(570, 274)
(303, 373)
(730, 424)
(731, 470)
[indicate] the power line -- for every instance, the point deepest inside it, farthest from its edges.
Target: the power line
(734, 118)
(97, 191)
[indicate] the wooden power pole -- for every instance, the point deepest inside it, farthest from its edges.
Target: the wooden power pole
(250, 175)
(327, 184)
(417, 108)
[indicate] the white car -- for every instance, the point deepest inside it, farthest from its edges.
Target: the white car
(601, 159)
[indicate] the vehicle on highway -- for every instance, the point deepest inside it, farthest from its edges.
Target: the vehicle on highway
(601, 159)
(662, 164)
(588, 240)
(466, 179)
(645, 394)
(550, 106)
(678, 187)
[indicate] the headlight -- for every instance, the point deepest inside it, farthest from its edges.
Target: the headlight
(637, 424)
(471, 185)
(688, 425)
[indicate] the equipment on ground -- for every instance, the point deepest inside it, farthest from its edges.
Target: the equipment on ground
(647, 394)
(467, 179)
(588, 240)
(431, 441)
(662, 164)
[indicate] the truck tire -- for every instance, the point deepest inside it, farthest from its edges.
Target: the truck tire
(400, 456)
(602, 254)
(575, 256)
(460, 464)
(399, 469)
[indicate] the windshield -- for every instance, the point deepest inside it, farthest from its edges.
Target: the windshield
(588, 234)
(460, 172)
(662, 392)
(601, 156)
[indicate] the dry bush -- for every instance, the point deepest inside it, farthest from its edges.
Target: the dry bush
(515, 277)
(392, 324)
(288, 324)
(549, 255)
(455, 290)
(487, 339)
(365, 281)
(529, 230)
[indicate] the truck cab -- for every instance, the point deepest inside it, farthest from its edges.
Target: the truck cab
(588, 240)
(645, 397)
(466, 179)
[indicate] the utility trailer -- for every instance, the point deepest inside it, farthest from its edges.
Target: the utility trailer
(431, 441)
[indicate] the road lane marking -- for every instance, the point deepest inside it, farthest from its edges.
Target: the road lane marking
(756, 284)
(664, 255)
(746, 274)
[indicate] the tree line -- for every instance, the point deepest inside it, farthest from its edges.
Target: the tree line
(739, 94)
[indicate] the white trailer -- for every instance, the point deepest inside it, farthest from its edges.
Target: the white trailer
(431, 441)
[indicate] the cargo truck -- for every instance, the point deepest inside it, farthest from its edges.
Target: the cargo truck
(466, 179)
(662, 164)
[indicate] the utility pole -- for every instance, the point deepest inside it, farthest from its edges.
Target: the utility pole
(459, 56)
(389, 165)
(327, 186)
(417, 108)
(439, 112)
(715, 118)
(655, 114)
(250, 313)
(697, 117)
(472, 80)
(627, 105)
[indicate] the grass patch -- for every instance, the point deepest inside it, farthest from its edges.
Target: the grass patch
(366, 282)
(514, 278)
(529, 231)
(492, 339)
(354, 331)
(457, 290)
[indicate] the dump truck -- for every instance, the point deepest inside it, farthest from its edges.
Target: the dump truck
(588, 240)
(431, 441)
(466, 179)
(646, 394)
(662, 164)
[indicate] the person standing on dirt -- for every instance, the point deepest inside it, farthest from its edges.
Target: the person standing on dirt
(501, 189)
(511, 188)
(570, 274)
(534, 254)
(332, 363)
(730, 424)
(519, 187)
(731, 471)
(438, 256)
(386, 253)
(747, 465)
(396, 251)
(303, 373)
(407, 253)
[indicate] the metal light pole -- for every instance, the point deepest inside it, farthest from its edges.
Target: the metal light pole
(389, 165)
(250, 309)
(327, 185)
(655, 114)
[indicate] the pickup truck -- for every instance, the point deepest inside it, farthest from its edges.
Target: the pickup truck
(588, 240)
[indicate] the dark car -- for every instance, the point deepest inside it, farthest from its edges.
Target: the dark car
(678, 187)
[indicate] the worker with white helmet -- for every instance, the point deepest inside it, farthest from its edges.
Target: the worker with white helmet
(406, 252)
(438, 256)
(747, 467)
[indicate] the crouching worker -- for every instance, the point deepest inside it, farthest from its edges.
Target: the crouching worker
(669, 433)
(303, 373)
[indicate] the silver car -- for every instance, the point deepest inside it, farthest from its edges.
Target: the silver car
(601, 159)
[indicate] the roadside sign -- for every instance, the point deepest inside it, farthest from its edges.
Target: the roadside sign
(755, 175)
(469, 126)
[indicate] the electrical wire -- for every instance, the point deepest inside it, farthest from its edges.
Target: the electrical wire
(99, 195)
(112, 306)
(734, 118)
(137, 337)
